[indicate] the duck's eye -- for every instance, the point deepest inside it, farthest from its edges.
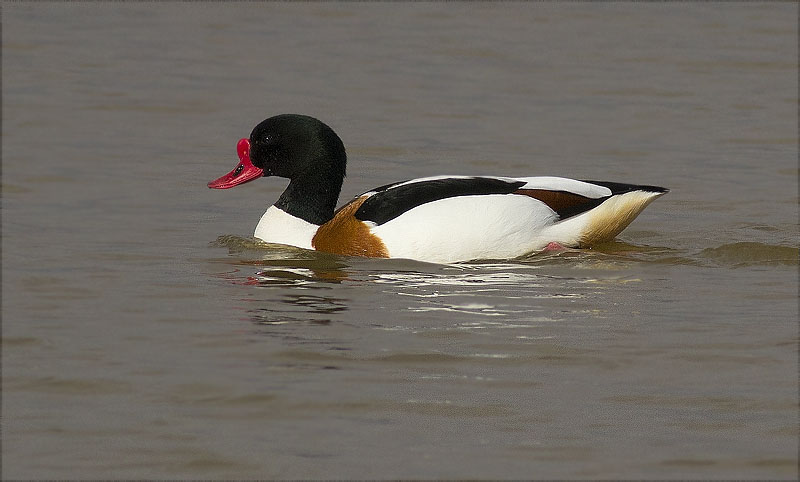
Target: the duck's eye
(238, 169)
(267, 140)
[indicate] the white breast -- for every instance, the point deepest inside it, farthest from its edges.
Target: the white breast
(277, 226)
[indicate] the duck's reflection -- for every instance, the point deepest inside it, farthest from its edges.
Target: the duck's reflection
(299, 308)
(281, 265)
(303, 288)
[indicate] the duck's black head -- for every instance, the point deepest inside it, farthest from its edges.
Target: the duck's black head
(300, 148)
(287, 145)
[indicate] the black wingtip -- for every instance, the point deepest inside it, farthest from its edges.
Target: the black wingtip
(622, 188)
(658, 189)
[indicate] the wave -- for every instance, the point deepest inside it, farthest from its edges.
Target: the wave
(752, 254)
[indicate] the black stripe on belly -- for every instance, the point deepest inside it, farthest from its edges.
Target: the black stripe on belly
(390, 202)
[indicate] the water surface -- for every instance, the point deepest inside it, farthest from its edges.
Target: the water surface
(147, 335)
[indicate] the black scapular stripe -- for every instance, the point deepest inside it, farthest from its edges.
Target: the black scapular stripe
(390, 202)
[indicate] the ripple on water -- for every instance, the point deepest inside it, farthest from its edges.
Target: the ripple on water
(478, 295)
(752, 254)
(282, 263)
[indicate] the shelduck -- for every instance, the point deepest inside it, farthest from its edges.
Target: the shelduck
(440, 219)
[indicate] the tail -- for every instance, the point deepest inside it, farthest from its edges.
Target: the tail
(607, 220)
(601, 219)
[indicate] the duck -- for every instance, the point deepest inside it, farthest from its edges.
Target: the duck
(437, 219)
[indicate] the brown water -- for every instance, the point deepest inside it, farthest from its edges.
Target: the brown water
(146, 335)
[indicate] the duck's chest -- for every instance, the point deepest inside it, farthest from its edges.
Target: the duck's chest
(277, 226)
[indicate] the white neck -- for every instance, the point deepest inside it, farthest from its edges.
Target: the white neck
(277, 226)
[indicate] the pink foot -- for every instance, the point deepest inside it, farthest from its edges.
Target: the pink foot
(250, 281)
(553, 246)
